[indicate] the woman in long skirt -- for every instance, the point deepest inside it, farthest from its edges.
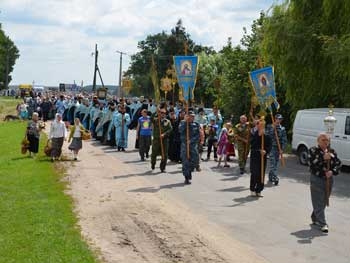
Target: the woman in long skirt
(58, 134)
(33, 134)
(75, 135)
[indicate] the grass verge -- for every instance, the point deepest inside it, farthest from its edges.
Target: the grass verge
(36, 218)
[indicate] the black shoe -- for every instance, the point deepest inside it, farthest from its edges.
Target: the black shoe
(142, 159)
(153, 166)
(241, 171)
(187, 181)
(123, 150)
(276, 182)
(147, 155)
(259, 195)
(162, 171)
(324, 229)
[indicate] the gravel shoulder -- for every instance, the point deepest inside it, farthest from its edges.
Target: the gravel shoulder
(127, 226)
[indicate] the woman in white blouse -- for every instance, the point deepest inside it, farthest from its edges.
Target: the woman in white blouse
(58, 134)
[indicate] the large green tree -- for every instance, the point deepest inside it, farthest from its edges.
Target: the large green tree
(308, 42)
(162, 47)
(9, 53)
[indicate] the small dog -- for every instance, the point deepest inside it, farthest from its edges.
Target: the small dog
(11, 117)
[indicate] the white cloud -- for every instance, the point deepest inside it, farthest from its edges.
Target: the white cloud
(56, 37)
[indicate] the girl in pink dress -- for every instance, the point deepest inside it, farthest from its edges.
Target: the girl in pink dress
(222, 147)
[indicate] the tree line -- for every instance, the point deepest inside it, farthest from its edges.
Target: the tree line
(307, 42)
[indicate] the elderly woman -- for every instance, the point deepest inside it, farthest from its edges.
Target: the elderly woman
(33, 134)
(58, 134)
(323, 163)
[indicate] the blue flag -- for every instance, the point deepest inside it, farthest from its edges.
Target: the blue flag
(263, 82)
(186, 68)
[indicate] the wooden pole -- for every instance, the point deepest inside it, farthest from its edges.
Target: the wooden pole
(187, 134)
(262, 158)
(327, 181)
(160, 135)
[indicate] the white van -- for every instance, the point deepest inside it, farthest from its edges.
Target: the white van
(308, 124)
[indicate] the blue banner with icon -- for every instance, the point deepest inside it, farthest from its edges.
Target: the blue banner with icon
(263, 82)
(186, 68)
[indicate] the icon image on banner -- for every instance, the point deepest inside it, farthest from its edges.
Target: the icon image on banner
(186, 68)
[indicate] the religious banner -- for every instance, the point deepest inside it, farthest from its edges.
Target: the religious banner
(186, 68)
(155, 82)
(263, 82)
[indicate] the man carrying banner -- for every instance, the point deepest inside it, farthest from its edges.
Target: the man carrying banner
(263, 84)
(160, 143)
(260, 148)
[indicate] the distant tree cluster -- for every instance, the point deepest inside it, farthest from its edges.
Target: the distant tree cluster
(9, 53)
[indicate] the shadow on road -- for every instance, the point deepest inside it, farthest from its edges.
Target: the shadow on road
(234, 189)
(243, 200)
(306, 236)
(154, 189)
(147, 173)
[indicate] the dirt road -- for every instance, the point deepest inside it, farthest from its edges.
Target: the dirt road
(127, 226)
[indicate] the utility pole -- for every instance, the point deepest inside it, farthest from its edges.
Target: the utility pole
(120, 73)
(94, 82)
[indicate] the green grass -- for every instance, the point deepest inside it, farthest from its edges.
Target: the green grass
(36, 219)
(8, 106)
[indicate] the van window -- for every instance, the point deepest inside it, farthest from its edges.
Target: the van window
(312, 122)
(347, 125)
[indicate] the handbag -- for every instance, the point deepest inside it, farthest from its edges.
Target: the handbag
(48, 148)
(24, 145)
(86, 135)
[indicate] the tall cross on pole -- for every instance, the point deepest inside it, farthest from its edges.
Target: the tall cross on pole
(120, 72)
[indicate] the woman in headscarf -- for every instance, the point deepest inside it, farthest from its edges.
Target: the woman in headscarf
(33, 134)
(58, 134)
(76, 132)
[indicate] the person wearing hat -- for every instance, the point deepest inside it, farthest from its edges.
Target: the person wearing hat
(278, 136)
(189, 153)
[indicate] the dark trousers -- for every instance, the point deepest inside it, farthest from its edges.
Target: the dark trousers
(212, 143)
(256, 182)
(144, 145)
(319, 197)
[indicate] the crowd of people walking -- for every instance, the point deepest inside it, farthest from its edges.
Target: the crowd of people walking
(180, 134)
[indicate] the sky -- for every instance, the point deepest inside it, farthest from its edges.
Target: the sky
(56, 38)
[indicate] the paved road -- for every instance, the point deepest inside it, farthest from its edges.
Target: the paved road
(277, 226)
